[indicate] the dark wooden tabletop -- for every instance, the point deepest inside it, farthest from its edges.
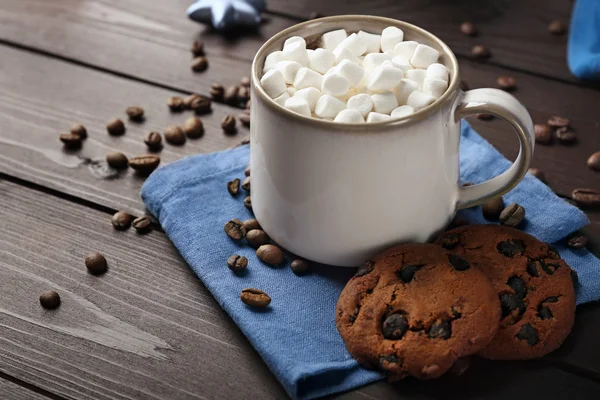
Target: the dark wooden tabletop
(149, 329)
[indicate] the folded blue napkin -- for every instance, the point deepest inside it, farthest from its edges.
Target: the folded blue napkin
(583, 52)
(296, 335)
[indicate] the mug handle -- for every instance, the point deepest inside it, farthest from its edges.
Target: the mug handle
(507, 107)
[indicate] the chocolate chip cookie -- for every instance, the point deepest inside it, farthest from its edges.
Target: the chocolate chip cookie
(416, 309)
(534, 286)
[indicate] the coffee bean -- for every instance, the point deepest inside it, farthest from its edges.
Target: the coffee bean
(543, 133)
(174, 135)
(117, 160)
(557, 27)
(449, 241)
(577, 241)
(528, 333)
(135, 113)
(70, 140)
(176, 103)
(198, 48)
(507, 83)
(480, 51)
(217, 91)
(144, 164)
(246, 184)
(468, 28)
(587, 198)
(251, 224)
(511, 305)
(511, 248)
(50, 300)
(142, 224)
(237, 263)
(544, 312)
(565, 135)
(247, 171)
(121, 220)
(243, 95)
(256, 238)
(244, 119)
(538, 173)
(96, 263)
(407, 272)
(235, 229)
(116, 127)
(245, 81)
(464, 86)
(512, 215)
(79, 130)
(440, 330)
(187, 102)
(255, 297)
(248, 203)
(231, 95)
(485, 117)
(201, 105)
(233, 187)
(193, 127)
(394, 326)
(594, 161)
(153, 140)
(533, 268)
(199, 64)
(300, 266)
(228, 124)
(270, 254)
(459, 264)
(491, 209)
(518, 285)
(558, 122)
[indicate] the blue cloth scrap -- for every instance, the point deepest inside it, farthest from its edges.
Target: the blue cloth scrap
(583, 53)
(296, 335)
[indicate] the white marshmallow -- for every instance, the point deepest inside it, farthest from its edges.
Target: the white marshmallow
(282, 99)
(288, 69)
(361, 102)
(404, 89)
(296, 51)
(406, 49)
(329, 107)
(424, 56)
(355, 44)
(311, 95)
(419, 100)
(294, 39)
(321, 60)
(372, 41)
(391, 36)
(349, 117)
(384, 102)
(335, 84)
(298, 105)
(331, 40)
(402, 111)
(291, 90)
(306, 77)
(272, 59)
(401, 63)
(417, 76)
(374, 60)
(341, 53)
(273, 83)
(377, 117)
(434, 87)
(438, 71)
(352, 72)
(384, 78)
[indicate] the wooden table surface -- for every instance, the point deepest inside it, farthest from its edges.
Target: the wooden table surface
(149, 329)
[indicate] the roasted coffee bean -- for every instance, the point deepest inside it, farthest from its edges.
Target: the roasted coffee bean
(201, 105)
(558, 122)
(70, 140)
(538, 173)
(459, 264)
(491, 209)
(251, 224)
(233, 187)
(255, 297)
(528, 333)
(153, 140)
(543, 133)
(245, 81)
(544, 312)
(480, 51)
(176, 103)
(199, 64)
(533, 268)
(300, 266)
(117, 160)
(549, 268)
(121, 220)
(485, 117)
(228, 124)
(248, 203)
(594, 161)
(587, 198)
(135, 113)
(450, 240)
(142, 224)
(235, 229)
(217, 91)
(565, 135)
(270, 254)
(247, 171)
(174, 135)
(144, 164)
(79, 130)
(50, 300)
(231, 95)
(244, 119)
(256, 238)
(464, 85)
(440, 330)
(193, 127)
(507, 83)
(557, 27)
(116, 127)
(246, 184)
(512, 215)
(511, 303)
(187, 102)
(243, 95)
(468, 28)
(96, 263)
(577, 241)
(407, 272)
(511, 248)
(518, 285)
(364, 269)
(394, 326)
(237, 263)
(198, 48)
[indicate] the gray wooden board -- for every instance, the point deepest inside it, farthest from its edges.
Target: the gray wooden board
(12, 391)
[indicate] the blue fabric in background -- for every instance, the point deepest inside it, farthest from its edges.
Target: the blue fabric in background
(583, 52)
(296, 336)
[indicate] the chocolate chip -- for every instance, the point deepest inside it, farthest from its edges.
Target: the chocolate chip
(532, 268)
(551, 299)
(135, 113)
(79, 130)
(199, 64)
(50, 300)
(543, 133)
(577, 241)
(367, 267)
(528, 333)
(440, 330)
(549, 268)
(491, 209)
(518, 285)
(450, 240)
(384, 361)
(468, 29)
(459, 264)
(480, 51)
(565, 135)
(512, 215)
(237, 263)
(511, 247)
(116, 127)
(176, 103)
(511, 302)
(407, 272)
(300, 266)
(394, 326)
(544, 312)
(558, 122)
(235, 229)
(354, 314)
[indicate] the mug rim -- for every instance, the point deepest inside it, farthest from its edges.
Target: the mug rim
(405, 26)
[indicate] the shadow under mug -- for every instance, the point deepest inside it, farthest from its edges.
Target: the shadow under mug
(339, 193)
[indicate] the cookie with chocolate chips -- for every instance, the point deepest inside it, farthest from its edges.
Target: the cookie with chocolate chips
(415, 310)
(534, 285)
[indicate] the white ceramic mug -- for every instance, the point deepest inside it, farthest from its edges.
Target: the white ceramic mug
(339, 193)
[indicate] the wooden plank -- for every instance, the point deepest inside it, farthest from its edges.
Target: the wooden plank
(12, 391)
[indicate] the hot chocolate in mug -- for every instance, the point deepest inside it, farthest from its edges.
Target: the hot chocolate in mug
(338, 193)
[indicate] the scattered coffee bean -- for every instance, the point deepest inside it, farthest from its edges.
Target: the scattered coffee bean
(50, 300)
(394, 326)
(96, 263)
(300, 266)
(135, 113)
(121, 220)
(480, 51)
(142, 224)
(557, 27)
(491, 209)
(117, 160)
(511, 248)
(518, 285)
(237, 263)
(485, 117)
(246, 184)
(243, 95)
(193, 127)
(256, 238)
(251, 224)
(407, 272)
(565, 135)
(233, 187)
(248, 203)
(231, 95)
(201, 105)
(199, 64)
(144, 164)
(468, 28)
(245, 81)
(70, 140)
(174, 135)
(558, 122)
(176, 103)
(463, 85)
(116, 127)
(594, 161)
(315, 15)
(198, 48)
(270, 254)
(79, 130)
(538, 173)
(440, 330)
(577, 241)
(507, 83)
(587, 198)
(247, 171)
(255, 297)
(459, 264)
(543, 133)
(228, 124)
(153, 140)
(217, 91)
(512, 215)
(529, 334)
(187, 102)
(244, 119)
(235, 229)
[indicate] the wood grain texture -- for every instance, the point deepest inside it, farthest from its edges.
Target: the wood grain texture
(12, 391)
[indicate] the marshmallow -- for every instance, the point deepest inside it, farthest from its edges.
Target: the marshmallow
(438, 71)
(282, 99)
(329, 107)
(331, 40)
(311, 95)
(288, 69)
(355, 44)
(384, 102)
(352, 72)
(434, 87)
(361, 102)
(272, 60)
(372, 41)
(404, 89)
(321, 60)
(306, 77)
(391, 36)
(424, 56)
(417, 76)
(402, 111)
(377, 117)
(384, 78)
(335, 84)
(296, 51)
(406, 49)
(349, 117)
(401, 63)
(373, 60)
(291, 90)
(273, 83)
(419, 100)
(294, 39)
(298, 105)
(342, 53)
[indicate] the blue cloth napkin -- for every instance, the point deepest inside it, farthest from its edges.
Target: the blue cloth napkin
(296, 336)
(583, 52)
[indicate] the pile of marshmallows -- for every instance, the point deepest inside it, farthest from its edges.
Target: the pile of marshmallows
(355, 77)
